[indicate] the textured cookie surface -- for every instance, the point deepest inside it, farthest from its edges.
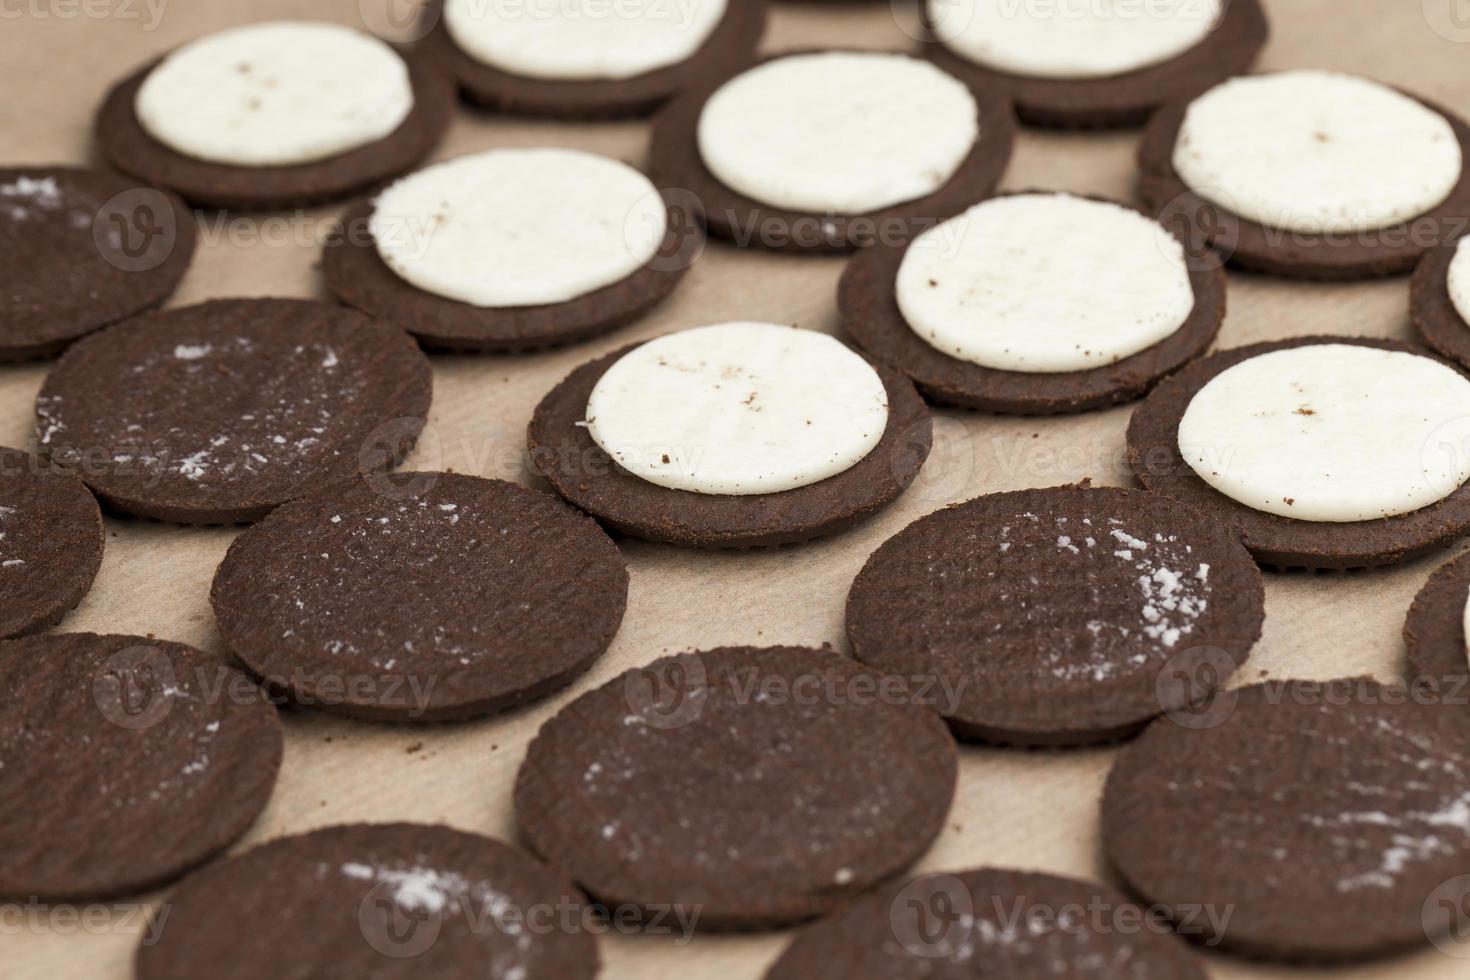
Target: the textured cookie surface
(419, 597)
(754, 786)
(51, 539)
(124, 762)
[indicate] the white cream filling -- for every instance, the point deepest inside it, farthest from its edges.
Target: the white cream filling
(738, 408)
(1317, 152)
(1459, 280)
(1332, 432)
(510, 228)
(581, 39)
(838, 132)
(275, 94)
(1045, 283)
(1072, 38)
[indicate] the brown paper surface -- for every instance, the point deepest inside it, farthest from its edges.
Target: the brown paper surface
(1024, 809)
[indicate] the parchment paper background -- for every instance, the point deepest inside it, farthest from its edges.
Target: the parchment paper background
(1027, 809)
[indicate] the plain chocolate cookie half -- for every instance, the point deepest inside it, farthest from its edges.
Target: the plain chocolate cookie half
(386, 901)
(989, 922)
(675, 161)
(868, 303)
(359, 277)
(1062, 616)
(1280, 252)
(421, 597)
(564, 453)
(756, 787)
(1323, 817)
(729, 48)
(51, 539)
(82, 249)
(1127, 99)
(218, 413)
(1280, 542)
(1435, 316)
(124, 762)
(125, 144)
(1434, 631)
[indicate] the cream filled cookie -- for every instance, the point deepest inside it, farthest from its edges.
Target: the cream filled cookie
(731, 435)
(1015, 304)
(1439, 299)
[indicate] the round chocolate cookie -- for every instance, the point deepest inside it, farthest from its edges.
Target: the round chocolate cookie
(1435, 315)
(129, 147)
(51, 539)
(124, 762)
(1434, 631)
(868, 302)
(374, 900)
(218, 413)
(1126, 99)
(1322, 817)
(729, 47)
(676, 161)
(566, 455)
(756, 787)
(359, 277)
(1058, 616)
(83, 249)
(1330, 256)
(1276, 541)
(989, 922)
(421, 596)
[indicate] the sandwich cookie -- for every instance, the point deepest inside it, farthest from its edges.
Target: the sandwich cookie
(425, 597)
(513, 250)
(1439, 299)
(124, 762)
(1056, 613)
(988, 923)
(1091, 65)
(585, 60)
(219, 413)
(1323, 817)
(833, 150)
(1324, 452)
(1015, 305)
(274, 115)
(388, 901)
(83, 249)
(1309, 174)
(1437, 631)
(51, 538)
(754, 787)
(730, 436)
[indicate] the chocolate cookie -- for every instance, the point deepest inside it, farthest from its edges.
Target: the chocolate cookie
(374, 900)
(1435, 629)
(565, 454)
(1435, 316)
(220, 412)
(756, 787)
(129, 147)
(867, 301)
(1057, 616)
(83, 249)
(359, 277)
(730, 47)
(1256, 247)
(124, 762)
(1127, 99)
(676, 161)
(421, 597)
(1320, 817)
(51, 540)
(1280, 542)
(988, 923)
